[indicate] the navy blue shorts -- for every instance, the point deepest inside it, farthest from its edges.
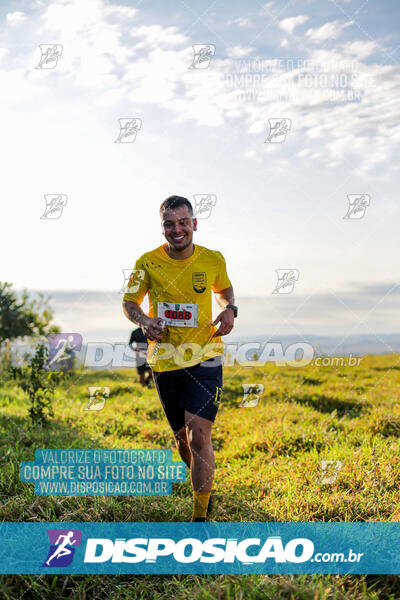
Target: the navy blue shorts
(197, 389)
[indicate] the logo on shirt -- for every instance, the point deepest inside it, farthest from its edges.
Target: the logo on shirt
(199, 282)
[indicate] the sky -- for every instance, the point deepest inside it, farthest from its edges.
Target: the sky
(327, 71)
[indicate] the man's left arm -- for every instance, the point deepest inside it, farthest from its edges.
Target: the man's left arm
(227, 316)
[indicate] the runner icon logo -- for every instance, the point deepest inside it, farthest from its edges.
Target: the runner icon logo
(357, 206)
(61, 552)
(203, 54)
(98, 396)
(50, 53)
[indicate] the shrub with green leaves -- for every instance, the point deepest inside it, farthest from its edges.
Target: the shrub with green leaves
(24, 316)
(39, 383)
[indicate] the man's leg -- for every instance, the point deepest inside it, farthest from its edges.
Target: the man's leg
(168, 393)
(192, 432)
(203, 462)
(182, 444)
(147, 374)
(140, 370)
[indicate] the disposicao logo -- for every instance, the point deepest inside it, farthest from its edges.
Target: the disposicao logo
(62, 547)
(189, 550)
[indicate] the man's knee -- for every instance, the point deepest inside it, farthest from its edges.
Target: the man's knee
(181, 437)
(199, 439)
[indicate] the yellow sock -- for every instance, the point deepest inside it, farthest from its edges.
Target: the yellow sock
(200, 504)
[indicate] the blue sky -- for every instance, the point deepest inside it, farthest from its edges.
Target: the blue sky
(279, 205)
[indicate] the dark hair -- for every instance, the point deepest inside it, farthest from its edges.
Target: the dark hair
(175, 202)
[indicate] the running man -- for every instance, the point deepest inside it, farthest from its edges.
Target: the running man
(65, 348)
(186, 356)
(62, 549)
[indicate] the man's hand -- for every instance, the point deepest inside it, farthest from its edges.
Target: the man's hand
(226, 318)
(152, 328)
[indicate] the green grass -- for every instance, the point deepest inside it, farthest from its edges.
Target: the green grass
(268, 468)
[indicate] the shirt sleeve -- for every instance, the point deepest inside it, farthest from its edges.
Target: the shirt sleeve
(222, 280)
(139, 282)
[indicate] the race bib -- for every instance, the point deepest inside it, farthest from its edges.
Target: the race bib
(178, 315)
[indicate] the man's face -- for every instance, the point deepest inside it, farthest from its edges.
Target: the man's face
(178, 226)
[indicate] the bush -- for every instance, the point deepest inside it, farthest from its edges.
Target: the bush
(24, 317)
(39, 383)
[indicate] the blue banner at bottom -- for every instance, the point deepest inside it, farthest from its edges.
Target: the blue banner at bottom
(216, 548)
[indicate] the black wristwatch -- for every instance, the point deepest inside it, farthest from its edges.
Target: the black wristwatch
(234, 308)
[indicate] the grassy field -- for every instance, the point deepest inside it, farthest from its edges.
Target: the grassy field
(268, 468)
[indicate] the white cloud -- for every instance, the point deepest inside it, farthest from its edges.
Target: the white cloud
(328, 31)
(257, 126)
(238, 51)
(156, 36)
(291, 23)
(115, 64)
(100, 64)
(240, 22)
(361, 49)
(15, 17)
(120, 11)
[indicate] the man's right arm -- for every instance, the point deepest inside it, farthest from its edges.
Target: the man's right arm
(150, 327)
(133, 312)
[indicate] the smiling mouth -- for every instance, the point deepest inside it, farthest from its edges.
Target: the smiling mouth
(178, 238)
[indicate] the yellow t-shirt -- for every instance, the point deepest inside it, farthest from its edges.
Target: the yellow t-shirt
(180, 293)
